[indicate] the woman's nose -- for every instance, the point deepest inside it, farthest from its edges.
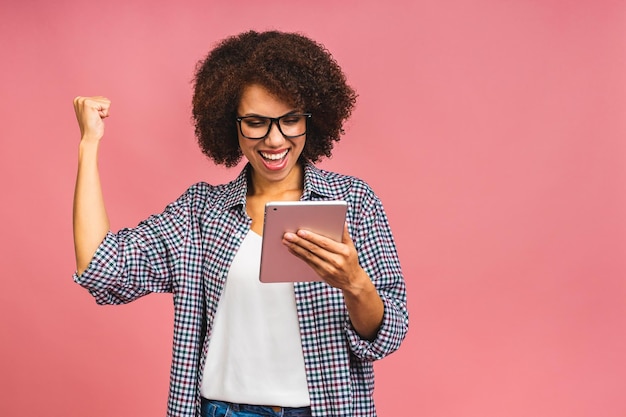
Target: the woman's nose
(274, 138)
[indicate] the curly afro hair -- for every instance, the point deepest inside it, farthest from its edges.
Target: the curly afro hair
(290, 66)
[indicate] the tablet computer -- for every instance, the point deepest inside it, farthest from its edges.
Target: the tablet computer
(322, 217)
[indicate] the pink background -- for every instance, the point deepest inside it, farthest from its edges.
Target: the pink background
(494, 131)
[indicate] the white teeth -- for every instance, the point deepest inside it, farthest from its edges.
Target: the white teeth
(274, 156)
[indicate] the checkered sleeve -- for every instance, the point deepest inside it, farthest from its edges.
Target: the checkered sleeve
(137, 261)
(378, 257)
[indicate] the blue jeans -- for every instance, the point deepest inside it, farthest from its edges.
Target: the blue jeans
(211, 408)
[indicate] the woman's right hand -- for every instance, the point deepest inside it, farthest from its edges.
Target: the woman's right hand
(90, 112)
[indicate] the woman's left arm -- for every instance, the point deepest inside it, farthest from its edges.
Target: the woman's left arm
(337, 264)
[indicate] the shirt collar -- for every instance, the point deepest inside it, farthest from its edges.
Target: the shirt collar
(317, 186)
(237, 190)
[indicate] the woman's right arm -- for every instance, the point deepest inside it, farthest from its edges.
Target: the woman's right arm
(90, 219)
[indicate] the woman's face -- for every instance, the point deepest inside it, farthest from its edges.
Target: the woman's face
(274, 157)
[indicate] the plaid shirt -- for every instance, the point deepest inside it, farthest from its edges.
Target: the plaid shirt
(188, 249)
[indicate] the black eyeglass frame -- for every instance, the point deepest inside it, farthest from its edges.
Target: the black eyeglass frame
(275, 120)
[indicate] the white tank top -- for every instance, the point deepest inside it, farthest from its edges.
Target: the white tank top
(255, 353)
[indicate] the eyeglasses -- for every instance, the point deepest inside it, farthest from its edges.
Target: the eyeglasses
(290, 125)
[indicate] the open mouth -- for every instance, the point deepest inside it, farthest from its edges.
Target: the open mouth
(274, 156)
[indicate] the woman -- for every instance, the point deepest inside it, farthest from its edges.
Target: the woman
(279, 100)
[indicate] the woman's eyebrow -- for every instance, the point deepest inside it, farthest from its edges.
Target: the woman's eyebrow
(269, 117)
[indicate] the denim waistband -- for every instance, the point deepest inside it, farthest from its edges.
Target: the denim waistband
(260, 410)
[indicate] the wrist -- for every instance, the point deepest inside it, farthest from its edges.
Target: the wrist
(360, 286)
(88, 147)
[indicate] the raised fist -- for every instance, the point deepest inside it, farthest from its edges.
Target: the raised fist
(90, 112)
